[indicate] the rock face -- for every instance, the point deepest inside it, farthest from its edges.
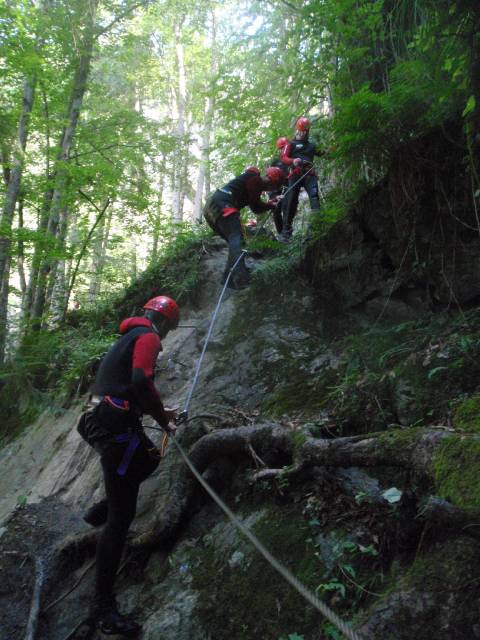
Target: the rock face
(410, 244)
(269, 355)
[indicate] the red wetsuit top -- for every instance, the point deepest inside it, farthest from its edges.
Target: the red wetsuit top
(244, 190)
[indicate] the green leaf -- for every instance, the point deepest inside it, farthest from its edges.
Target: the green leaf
(392, 495)
(470, 106)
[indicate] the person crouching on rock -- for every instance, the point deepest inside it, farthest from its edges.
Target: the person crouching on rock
(222, 213)
(123, 391)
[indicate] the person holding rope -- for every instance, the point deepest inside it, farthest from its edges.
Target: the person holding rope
(222, 213)
(276, 162)
(123, 391)
(298, 155)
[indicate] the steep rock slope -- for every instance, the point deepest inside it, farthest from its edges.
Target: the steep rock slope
(410, 244)
(274, 381)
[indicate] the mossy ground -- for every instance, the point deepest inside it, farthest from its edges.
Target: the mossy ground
(456, 467)
(467, 415)
(412, 373)
(253, 601)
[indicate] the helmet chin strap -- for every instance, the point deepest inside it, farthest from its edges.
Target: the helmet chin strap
(160, 326)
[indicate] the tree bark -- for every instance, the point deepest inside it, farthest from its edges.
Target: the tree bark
(13, 191)
(99, 255)
(157, 220)
(205, 139)
(21, 253)
(180, 101)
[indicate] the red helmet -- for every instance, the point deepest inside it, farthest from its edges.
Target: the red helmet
(166, 307)
(274, 174)
(281, 142)
(302, 124)
(253, 170)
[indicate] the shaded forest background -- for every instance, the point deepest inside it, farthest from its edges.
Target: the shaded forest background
(118, 117)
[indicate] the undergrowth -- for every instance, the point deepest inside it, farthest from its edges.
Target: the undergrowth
(52, 367)
(417, 372)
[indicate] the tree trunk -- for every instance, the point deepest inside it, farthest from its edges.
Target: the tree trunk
(207, 128)
(157, 221)
(21, 253)
(83, 250)
(36, 261)
(99, 256)
(180, 101)
(13, 190)
(57, 290)
(60, 189)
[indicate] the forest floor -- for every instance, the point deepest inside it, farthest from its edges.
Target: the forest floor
(29, 534)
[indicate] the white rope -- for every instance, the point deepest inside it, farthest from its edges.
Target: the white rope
(324, 609)
(184, 414)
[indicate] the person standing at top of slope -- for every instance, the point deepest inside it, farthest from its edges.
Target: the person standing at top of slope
(222, 213)
(298, 154)
(276, 162)
(123, 391)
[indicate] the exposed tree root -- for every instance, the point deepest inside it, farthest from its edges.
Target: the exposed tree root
(410, 449)
(440, 512)
(407, 448)
(274, 445)
(226, 442)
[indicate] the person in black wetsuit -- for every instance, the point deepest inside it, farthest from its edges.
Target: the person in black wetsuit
(123, 390)
(276, 162)
(298, 155)
(222, 213)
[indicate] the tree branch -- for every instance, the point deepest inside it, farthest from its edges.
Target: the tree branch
(123, 15)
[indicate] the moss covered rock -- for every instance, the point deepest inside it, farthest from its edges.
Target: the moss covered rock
(467, 415)
(242, 597)
(456, 469)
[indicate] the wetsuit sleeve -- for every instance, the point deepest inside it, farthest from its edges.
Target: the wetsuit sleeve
(145, 353)
(255, 188)
(285, 157)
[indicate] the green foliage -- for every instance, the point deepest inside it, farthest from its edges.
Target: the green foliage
(348, 574)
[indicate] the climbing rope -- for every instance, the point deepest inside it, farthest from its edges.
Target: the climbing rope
(183, 416)
(324, 609)
(299, 180)
(281, 197)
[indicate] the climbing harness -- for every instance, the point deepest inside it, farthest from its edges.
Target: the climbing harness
(299, 180)
(183, 416)
(281, 197)
(132, 440)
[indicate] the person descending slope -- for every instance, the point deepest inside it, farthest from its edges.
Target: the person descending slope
(298, 154)
(222, 213)
(124, 390)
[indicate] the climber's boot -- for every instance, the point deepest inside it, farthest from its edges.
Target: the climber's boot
(110, 622)
(97, 514)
